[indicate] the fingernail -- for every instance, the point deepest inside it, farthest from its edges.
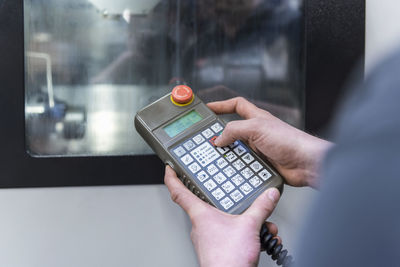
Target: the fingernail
(273, 194)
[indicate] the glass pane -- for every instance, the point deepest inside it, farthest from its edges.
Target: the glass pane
(91, 64)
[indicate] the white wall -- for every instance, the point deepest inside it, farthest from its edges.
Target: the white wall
(137, 225)
(383, 30)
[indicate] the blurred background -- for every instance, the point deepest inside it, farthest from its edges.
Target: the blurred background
(91, 64)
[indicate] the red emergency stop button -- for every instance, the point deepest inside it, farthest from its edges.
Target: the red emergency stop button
(182, 95)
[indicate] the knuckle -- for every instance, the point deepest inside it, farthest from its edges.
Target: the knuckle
(176, 197)
(240, 100)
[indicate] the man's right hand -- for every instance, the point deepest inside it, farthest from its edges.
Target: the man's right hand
(294, 153)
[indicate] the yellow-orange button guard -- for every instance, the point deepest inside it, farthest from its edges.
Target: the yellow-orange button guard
(182, 95)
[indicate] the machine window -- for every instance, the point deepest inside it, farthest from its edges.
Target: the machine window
(91, 64)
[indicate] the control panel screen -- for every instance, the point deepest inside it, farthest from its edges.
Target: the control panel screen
(182, 123)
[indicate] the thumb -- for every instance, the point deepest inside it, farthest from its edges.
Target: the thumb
(181, 195)
(264, 205)
(235, 130)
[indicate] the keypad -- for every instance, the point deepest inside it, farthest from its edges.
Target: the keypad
(227, 203)
(202, 176)
(210, 185)
(207, 133)
(264, 174)
(217, 127)
(230, 156)
(194, 167)
(247, 173)
(236, 195)
(211, 169)
(256, 166)
(248, 158)
(246, 188)
(222, 150)
(218, 194)
(198, 139)
(189, 145)
(239, 150)
(255, 181)
(179, 151)
(205, 154)
(220, 178)
(229, 173)
(238, 165)
(228, 187)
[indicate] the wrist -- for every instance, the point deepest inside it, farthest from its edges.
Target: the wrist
(316, 151)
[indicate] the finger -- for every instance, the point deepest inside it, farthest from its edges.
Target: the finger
(237, 105)
(236, 130)
(272, 228)
(263, 206)
(180, 194)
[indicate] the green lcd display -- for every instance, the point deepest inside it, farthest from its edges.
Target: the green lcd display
(182, 123)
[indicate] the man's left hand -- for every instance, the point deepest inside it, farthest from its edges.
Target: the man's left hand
(222, 239)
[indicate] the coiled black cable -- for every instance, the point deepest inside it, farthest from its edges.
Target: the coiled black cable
(269, 244)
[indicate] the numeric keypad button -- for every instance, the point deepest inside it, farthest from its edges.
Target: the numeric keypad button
(222, 150)
(264, 174)
(217, 127)
(207, 133)
(202, 176)
(230, 156)
(194, 168)
(210, 185)
(238, 165)
(205, 154)
(239, 150)
(246, 188)
(187, 159)
(226, 203)
(218, 193)
(220, 178)
(179, 151)
(198, 139)
(221, 163)
(236, 195)
(237, 180)
(234, 144)
(229, 171)
(256, 166)
(212, 169)
(228, 187)
(255, 181)
(247, 173)
(189, 145)
(248, 158)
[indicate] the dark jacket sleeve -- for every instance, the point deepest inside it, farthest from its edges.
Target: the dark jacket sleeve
(356, 219)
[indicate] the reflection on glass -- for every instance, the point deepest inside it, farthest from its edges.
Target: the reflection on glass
(91, 64)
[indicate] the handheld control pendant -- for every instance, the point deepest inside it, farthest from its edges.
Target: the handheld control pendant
(181, 129)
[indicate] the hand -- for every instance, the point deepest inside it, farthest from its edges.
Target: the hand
(221, 239)
(294, 153)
